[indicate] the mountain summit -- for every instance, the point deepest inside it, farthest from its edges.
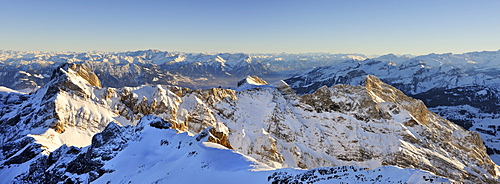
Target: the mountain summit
(252, 81)
(463, 88)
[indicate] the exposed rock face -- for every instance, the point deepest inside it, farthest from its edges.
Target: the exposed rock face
(254, 80)
(220, 138)
(381, 92)
(462, 88)
(368, 126)
(87, 74)
(422, 130)
(370, 123)
(435, 133)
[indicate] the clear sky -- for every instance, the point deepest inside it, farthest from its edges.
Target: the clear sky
(264, 26)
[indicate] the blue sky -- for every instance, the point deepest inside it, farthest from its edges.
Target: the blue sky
(264, 26)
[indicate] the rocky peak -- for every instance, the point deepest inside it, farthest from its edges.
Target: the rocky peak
(284, 88)
(456, 87)
(79, 70)
(252, 80)
(87, 74)
(72, 78)
(414, 137)
(382, 92)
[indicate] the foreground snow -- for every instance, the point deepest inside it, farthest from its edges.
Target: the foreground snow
(147, 154)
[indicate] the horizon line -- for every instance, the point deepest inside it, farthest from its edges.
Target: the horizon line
(240, 52)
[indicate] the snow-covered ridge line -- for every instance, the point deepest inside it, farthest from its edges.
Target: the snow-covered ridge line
(365, 126)
(163, 57)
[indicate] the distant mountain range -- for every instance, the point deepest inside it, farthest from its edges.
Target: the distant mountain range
(20, 70)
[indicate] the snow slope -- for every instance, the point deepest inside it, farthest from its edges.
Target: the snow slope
(149, 153)
(8, 90)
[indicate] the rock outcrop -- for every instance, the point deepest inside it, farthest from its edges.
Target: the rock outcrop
(253, 80)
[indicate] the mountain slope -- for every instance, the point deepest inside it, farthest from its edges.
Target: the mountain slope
(150, 152)
(370, 126)
(460, 87)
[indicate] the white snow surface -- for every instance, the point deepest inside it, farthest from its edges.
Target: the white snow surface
(8, 90)
(181, 160)
(184, 160)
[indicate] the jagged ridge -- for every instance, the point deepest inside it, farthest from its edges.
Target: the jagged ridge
(367, 126)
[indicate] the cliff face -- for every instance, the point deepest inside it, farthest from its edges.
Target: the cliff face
(39, 123)
(435, 136)
(462, 88)
(367, 126)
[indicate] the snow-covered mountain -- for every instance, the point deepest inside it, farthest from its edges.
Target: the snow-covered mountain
(73, 129)
(463, 88)
(150, 152)
(21, 70)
